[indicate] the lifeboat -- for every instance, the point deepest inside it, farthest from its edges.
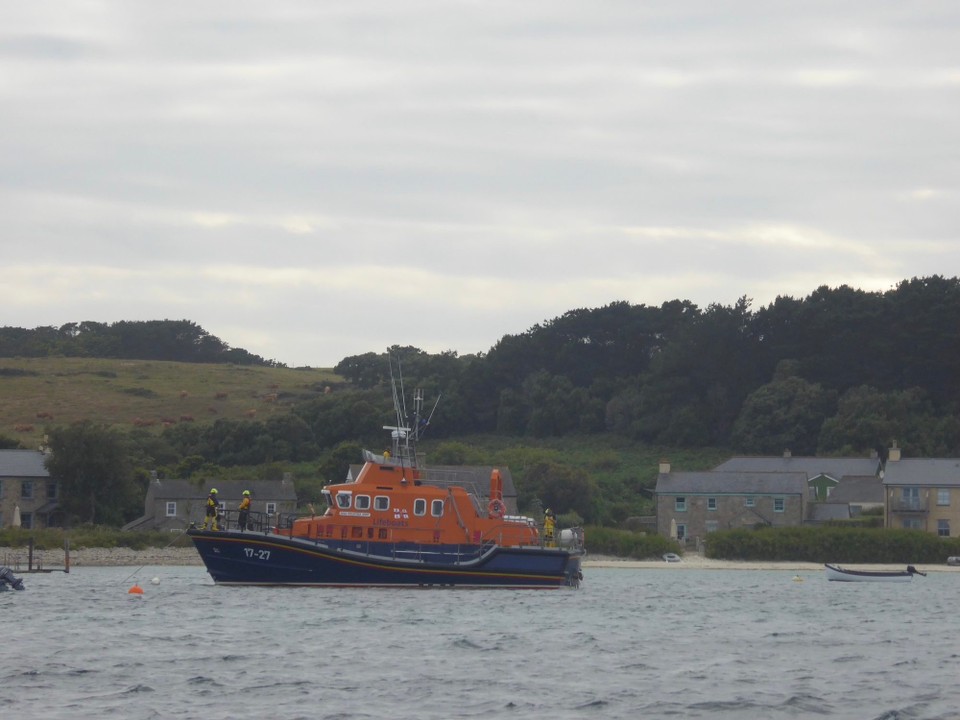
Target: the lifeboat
(391, 527)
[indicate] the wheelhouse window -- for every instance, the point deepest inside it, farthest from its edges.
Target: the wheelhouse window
(344, 500)
(778, 504)
(171, 509)
(420, 507)
(436, 508)
(680, 504)
(381, 502)
(362, 502)
(711, 503)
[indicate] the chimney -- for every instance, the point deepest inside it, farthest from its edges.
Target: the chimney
(154, 477)
(664, 467)
(787, 453)
(287, 478)
(894, 454)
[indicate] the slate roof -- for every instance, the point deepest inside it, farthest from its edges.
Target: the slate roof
(926, 472)
(858, 490)
(712, 482)
(23, 464)
(811, 466)
(227, 490)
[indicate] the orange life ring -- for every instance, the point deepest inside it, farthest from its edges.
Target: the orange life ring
(496, 508)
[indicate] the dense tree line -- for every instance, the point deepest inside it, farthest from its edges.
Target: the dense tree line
(841, 371)
(174, 340)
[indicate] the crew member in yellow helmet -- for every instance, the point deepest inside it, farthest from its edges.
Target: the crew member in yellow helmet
(213, 508)
(243, 513)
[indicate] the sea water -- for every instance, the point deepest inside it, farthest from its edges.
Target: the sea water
(631, 643)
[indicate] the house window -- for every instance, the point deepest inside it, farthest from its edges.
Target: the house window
(943, 528)
(171, 509)
(344, 500)
(681, 532)
(362, 502)
(271, 508)
(381, 502)
(436, 508)
(778, 504)
(712, 526)
(52, 488)
(680, 504)
(749, 501)
(711, 503)
(26, 520)
(912, 524)
(420, 507)
(943, 496)
(1, 488)
(26, 491)
(910, 498)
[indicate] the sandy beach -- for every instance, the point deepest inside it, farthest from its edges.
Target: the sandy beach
(17, 558)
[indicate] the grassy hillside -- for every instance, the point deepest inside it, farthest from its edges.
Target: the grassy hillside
(38, 392)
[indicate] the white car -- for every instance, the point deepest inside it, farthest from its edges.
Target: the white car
(671, 557)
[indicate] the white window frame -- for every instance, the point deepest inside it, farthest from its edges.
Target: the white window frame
(344, 499)
(420, 507)
(436, 507)
(711, 503)
(381, 502)
(750, 501)
(271, 508)
(779, 505)
(943, 496)
(680, 504)
(171, 508)
(943, 525)
(361, 502)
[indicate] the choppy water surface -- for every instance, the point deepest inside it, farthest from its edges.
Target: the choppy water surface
(630, 643)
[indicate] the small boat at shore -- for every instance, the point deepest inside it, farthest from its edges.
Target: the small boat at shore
(839, 574)
(390, 527)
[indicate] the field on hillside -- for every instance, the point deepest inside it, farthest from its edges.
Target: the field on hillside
(36, 393)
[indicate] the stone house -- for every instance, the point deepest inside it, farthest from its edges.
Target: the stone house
(690, 505)
(27, 492)
(174, 504)
(922, 494)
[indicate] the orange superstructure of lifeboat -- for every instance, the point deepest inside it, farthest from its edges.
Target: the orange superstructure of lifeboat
(388, 502)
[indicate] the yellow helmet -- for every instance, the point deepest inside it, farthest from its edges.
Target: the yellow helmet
(213, 491)
(246, 492)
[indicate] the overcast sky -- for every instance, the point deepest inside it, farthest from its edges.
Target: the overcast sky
(312, 180)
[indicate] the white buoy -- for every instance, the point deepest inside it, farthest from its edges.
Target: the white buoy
(155, 581)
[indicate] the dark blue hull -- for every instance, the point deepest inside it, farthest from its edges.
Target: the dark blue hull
(237, 558)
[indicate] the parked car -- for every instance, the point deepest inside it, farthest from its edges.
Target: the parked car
(671, 557)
